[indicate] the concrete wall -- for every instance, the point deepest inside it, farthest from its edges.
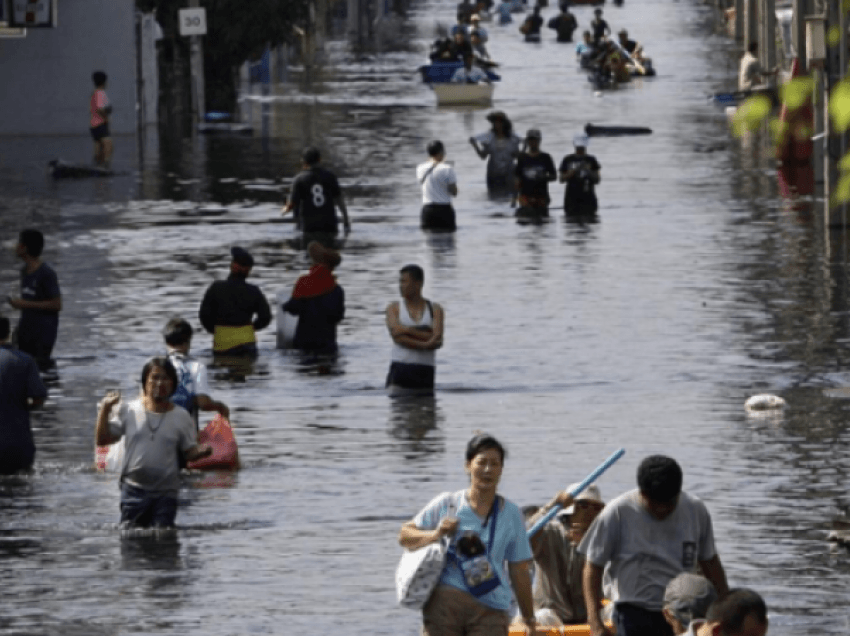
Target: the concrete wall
(45, 78)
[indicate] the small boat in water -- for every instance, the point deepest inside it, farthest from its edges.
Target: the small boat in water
(448, 94)
(438, 76)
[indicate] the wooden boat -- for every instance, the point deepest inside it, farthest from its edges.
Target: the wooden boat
(615, 131)
(564, 630)
(450, 94)
(438, 76)
(61, 169)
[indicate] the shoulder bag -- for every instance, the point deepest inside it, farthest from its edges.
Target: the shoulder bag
(419, 570)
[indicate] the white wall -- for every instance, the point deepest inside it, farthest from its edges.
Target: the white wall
(45, 78)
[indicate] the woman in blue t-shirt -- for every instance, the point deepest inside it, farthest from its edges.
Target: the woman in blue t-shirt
(473, 594)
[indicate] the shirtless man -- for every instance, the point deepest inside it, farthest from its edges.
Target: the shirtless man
(416, 327)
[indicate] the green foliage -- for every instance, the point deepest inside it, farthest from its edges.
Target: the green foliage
(839, 106)
(751, 114)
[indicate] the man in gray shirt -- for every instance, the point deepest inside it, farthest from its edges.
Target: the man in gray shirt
(646, 537)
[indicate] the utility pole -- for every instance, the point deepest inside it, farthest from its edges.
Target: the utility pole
(196, 66)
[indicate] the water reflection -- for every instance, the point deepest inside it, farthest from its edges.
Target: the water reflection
(416, 421)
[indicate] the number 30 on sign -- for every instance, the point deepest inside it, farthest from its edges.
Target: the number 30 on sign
(193, 21)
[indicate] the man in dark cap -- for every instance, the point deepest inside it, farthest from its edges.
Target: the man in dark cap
(646, 537)
(687, 599)
(233, 309)
(314, 197)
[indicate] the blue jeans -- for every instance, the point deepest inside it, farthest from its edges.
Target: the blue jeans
(632, 620)
(143, 509)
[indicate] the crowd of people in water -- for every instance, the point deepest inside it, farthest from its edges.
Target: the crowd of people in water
(610, 61)
(643, 564)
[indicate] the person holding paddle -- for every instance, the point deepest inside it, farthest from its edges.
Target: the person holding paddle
(558, 594)
(473, 594)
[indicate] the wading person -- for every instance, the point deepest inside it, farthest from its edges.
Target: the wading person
(156, 433)
(646, 537)
(486, 531)
(100, 110)
(564, 24)
(439, 184)
(599, 27)
(40, 301)
(558, 593)
(21, 390)
(416, 327)
(319, 302)
(314, 198)
(534, 170)
(686, 599)
(233, 310)
(742, 612)
(580, 171)
(192, 391)
(469, 74)
(500, 146)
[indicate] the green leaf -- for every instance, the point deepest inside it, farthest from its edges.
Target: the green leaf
(842, 190)
(839, 106)
(751, 114)
(833, 36)
(797, 92)
(844, 164)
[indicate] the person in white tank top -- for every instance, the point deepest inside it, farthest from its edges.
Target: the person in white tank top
(416, 327)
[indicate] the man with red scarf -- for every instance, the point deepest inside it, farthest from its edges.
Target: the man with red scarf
(319, 303)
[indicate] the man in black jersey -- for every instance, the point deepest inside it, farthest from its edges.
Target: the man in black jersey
(314, 197)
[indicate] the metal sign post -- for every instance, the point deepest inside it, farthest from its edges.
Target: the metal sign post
(193, 24)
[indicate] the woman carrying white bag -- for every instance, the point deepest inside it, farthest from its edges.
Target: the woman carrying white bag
(472, 596)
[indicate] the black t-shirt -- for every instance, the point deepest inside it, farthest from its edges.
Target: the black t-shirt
(630, 46)
(564, 24)
(599, 28)
(532, 173)
(580, 187)
(38, 327)
(313, 194)
(534, 23)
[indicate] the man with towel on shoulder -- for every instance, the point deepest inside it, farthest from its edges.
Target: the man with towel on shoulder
(319, 302)
(229, 308)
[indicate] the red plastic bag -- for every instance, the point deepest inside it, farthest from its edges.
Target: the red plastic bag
(219, 435)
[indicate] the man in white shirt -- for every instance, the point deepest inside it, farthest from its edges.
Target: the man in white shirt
(439, 185)
(751, 72)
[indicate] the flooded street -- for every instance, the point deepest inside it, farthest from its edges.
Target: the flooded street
(698, 288)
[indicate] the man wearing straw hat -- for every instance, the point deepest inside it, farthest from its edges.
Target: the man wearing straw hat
(558, 595)
(646, 537)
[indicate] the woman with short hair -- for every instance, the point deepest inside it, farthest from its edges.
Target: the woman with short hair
(473, 595)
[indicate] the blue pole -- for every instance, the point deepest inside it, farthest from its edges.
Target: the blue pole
(575, 491)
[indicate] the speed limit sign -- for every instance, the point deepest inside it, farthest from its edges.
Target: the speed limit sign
(193, 21)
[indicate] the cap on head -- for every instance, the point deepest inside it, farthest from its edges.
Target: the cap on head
(475, 17)
(533, 133)
(242, 257)
(580, 140)
(688, 597)
(591, 493)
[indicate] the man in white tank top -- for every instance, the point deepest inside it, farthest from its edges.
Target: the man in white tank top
(416, 327)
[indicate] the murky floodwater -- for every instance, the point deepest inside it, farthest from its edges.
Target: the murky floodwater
(648, 330)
